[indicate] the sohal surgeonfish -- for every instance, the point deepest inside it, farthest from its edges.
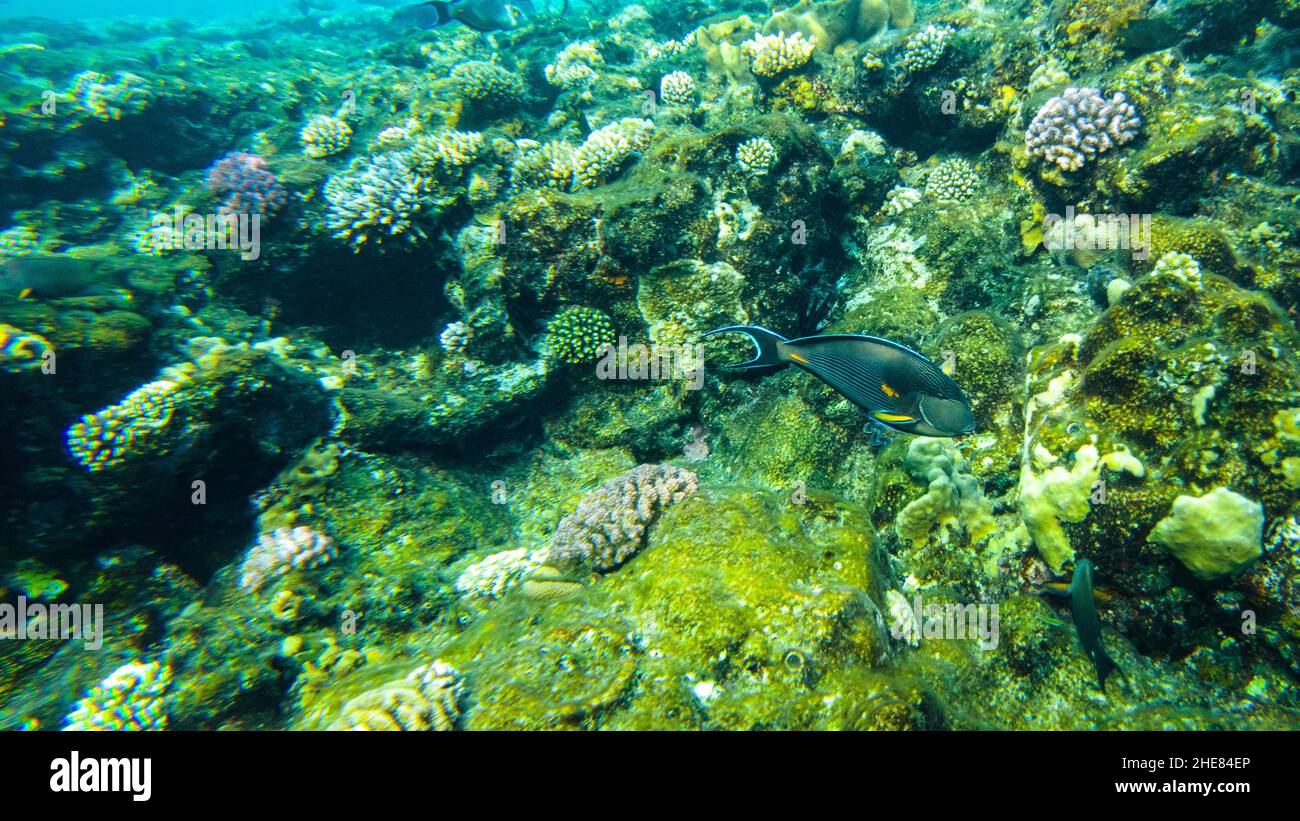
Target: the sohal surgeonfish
(480, 15)
(55, 275)
(896, 386)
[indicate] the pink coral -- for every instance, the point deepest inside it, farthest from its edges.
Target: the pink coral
(1073, 128)
(282, 550)
(609, 525)
(248, 184)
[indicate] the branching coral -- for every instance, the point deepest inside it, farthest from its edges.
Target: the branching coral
(953, 180)
(248, 185)
(773, 54)
(104, 439)
(577, 334)
(756, 156)
(376, 199)
(1075, 127)
(605, 150)
(132, 697)
(428, 698)
(282, 550)
(324, 136)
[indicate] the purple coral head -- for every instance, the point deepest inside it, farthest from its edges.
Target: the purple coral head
(248, 184)
(1080, 124)
(609, 524)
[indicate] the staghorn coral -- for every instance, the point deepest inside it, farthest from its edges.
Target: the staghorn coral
(609, 525)
(132, 697)
(756, 156)
(377, 198)
(1072, 129)
(771, 55)
(324, 136)
(428, 698)
(282, 550)
(577, 334)
(248, 185)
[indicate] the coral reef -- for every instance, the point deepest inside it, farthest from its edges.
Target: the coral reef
(1072, 129)
(282, 551)
(609, 525)
(324, 136)
(436, 404)
(378, 198)
(132, 697)
(577, 335)
(427, 698)
(773, 54)
(247, 184)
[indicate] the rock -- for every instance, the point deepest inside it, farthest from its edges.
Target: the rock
(1214, 535)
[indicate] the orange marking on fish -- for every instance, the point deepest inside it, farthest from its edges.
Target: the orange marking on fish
(890, 392)
(797, 358)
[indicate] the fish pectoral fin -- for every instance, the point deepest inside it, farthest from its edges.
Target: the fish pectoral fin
(886, 416)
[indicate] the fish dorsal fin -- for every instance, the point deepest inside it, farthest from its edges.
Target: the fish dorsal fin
(862, 337)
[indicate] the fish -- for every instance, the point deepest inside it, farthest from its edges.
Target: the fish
(55, 275)
(1083, 609)
(895, 385)
(305, 6)
(480, 15)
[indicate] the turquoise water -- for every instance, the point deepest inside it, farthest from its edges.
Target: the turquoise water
(361, 371)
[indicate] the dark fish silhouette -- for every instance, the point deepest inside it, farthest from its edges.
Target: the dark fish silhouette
(895, 385)
(1083, 609)
(480, 15)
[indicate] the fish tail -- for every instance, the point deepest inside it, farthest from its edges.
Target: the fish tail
(766, 345)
